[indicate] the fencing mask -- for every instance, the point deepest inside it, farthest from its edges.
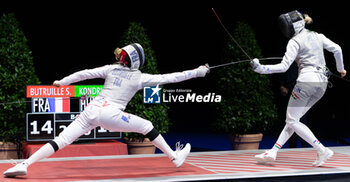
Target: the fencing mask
(136, 55)
(291, 23)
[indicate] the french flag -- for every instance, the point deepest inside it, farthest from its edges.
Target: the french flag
(59, 104)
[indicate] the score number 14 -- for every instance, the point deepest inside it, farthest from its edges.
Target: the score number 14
(46, 127)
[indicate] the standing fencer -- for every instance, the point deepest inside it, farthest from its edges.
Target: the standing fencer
(305, 47)
(122, 81)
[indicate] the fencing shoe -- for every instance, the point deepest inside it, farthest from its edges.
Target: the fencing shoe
(18, 170)
(268, 156)
(322, 157)
(181, 154)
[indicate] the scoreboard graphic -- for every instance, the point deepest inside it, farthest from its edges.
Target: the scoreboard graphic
(51, 109)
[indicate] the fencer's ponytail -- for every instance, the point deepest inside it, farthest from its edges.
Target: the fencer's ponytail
(117, 52)
(307, 19)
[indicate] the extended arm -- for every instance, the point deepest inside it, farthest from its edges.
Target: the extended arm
(288, 58)
(161, 79)
(100, 72)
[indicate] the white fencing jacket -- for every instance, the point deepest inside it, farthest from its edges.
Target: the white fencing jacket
(306, 49)
(121, 83)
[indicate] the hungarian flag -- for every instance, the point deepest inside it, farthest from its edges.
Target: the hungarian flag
(59, 104)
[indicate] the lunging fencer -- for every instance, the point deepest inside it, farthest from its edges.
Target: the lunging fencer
(122, 81)
(305, 47)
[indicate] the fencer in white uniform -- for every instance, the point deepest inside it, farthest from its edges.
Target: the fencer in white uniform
(122, 81)
(305, 47)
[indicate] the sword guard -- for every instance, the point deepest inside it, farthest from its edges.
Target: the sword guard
(207, 65)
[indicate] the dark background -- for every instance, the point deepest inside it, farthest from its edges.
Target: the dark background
(69, 37)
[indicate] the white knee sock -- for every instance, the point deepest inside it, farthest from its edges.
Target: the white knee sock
(160, 143)
(44, 152)
(286, 133)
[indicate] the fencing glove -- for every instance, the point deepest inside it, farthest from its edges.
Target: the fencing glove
(256, 65)
(201, 71)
